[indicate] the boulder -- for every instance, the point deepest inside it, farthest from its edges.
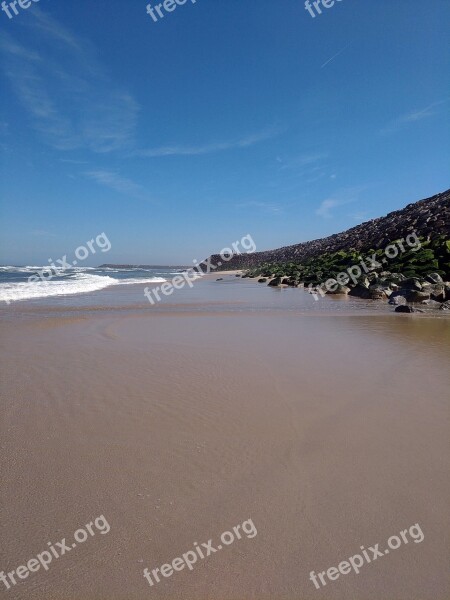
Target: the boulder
(378, 292)
(277, 281)
(291, 282)
(412, 283)
(434, 278)
(437, 292)
(340, 290)
(416, 296)
(360, 291)
(407, 309)
(398, 277)
(397, 300)
(262, 280)
(445, 305)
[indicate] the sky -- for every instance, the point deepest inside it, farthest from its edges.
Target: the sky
(224, 118)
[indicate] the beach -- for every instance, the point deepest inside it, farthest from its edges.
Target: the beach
(324, 423)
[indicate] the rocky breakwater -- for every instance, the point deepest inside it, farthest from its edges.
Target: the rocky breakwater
(429, 218)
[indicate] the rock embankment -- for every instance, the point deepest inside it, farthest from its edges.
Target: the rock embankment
(429, 218)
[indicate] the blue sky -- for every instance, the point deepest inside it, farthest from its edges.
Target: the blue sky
(227, 117)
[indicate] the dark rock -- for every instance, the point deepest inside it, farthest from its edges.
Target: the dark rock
(220, 279)
(397, 277)
(412, 283)
(262, 280)
(434, 278)
(360, 291)
(416, 296)
(407, 309)
(404, 308)
(277, 281)
(291, 282)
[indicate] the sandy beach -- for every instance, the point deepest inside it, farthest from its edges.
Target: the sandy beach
(329, 430)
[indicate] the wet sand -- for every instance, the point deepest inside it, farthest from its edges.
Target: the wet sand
(329, 431)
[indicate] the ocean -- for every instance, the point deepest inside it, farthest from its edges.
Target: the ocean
(15, 284)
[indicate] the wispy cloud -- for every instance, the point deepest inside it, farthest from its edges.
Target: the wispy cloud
(116, 182)
(413, 116)
(69, 97)
(309, 167)
(209, 148)
(303, 160)
(324, 209)
(340, 198)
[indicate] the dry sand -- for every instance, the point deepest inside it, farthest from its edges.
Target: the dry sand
(328, 432)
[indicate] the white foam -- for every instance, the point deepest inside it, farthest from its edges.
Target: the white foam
(136, 281)
(80, 284)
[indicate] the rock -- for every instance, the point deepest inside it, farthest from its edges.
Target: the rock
(397, 277)
(362, 281)
(412, 283)
(445, 305)
(220, 279)
(360, 291)
(416, 296)
(437, 292)
(291, 282)
(340, 290)
(377, 292)
(397, 300)
(407, 309)
(278, 281)
(434, 278)
(431, 303)
(262, 280)
(274, 282)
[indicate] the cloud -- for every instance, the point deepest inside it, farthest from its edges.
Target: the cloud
(310, 167)
(304, 160)
(412, 117)
(195, 150)
(69, 97)
(324, 209)
(340, 198)
(117, 183)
